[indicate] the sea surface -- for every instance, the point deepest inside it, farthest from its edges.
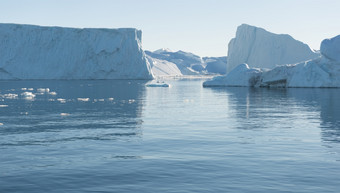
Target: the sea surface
(120, 136)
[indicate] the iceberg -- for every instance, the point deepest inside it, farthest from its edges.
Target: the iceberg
(321, 72)
(182, 60)
(262, 49)
(35, 52)
(242, 75)
(163, 68)
(217, 65)
(330, 48)
(164, 62)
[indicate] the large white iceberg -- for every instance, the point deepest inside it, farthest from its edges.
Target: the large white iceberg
(35, 52)
(322, 72)
(262, 49)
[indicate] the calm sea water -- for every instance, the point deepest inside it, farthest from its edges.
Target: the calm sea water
(120, 136)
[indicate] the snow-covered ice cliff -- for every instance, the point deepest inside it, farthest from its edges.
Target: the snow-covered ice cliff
(322, 72)
(35, 52)
(262, 49)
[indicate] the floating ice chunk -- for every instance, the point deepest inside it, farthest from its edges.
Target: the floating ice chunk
(111, 99)
(28, 95)
(2, 106)
(43, 90)
(61, 100)
(157, 84)
(101, 100)
(10, 96)
(23, 88)
(83, 99)
(64, 114)
(52, 93)
(30, 89)
(132, 101)
(1, 124)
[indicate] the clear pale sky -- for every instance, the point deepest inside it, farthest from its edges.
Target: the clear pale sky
(203, 27)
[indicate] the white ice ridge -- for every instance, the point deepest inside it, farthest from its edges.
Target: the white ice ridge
(262, 49)
(322, 72)
(35, 52)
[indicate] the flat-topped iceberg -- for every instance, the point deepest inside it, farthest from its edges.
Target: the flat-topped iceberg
(35, 52)
(262, 49)
(322, 72)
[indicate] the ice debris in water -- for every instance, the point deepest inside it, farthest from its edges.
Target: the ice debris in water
(61, 100)
(157, 83)
(2, 106)
(43, 90)
(10, 96)
(28, 95)
(83, 99)
(64, 114)
(52, 93)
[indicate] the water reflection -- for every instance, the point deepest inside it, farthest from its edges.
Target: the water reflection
(265, 107)
(327, 101)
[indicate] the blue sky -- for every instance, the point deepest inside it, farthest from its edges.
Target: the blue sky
(203, 27)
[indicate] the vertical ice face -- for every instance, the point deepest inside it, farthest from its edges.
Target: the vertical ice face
(262, 49)
(321, 72)
(330, 48)
(34, 52)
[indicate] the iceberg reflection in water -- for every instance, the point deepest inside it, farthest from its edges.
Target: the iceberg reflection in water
(121, 136)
